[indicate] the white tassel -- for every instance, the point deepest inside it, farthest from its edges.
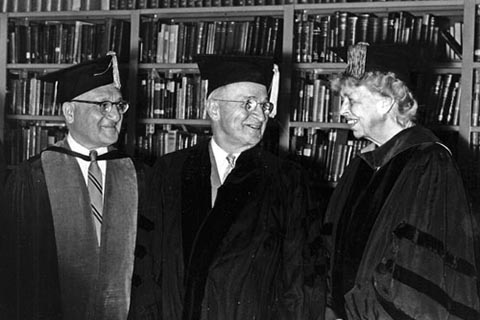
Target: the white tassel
(274, 88)
(116, 73)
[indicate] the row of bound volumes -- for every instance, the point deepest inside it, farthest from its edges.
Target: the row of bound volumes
(313, 100)
(474, 177)
(28, 139)
(67, 41)
(179, 42)
(162, 139)
(27, 95)
(75, 5)
(328, 152)
(476, 98)
(52, 5)
(439, 98)
(315, 34)
(172, 95)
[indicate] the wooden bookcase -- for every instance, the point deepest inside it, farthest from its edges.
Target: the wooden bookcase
(464, 10)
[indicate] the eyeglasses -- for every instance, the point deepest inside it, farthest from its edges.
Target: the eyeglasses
(251, 104)
(106, 106)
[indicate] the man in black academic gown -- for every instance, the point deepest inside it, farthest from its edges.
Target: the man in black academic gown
(235, 243)
(69, 215)
(404, 244)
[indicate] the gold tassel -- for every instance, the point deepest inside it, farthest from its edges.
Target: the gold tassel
(356, 60)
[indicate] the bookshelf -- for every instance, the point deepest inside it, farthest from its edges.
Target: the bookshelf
(286, 15)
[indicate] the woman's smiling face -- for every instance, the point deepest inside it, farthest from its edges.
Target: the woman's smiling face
(362, 109)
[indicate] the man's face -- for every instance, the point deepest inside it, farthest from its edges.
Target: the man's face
(236, 128)
(89, 126)
(361, 109)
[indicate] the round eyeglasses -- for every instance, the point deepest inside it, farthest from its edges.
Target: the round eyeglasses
(251, 104)
(106, 106)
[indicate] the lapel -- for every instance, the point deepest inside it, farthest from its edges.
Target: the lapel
(237, 192)
(195, 194)
(75, 237)
(214, 177)
(101, 275)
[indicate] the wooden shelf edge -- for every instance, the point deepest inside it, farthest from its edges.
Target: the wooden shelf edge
(169, 66)
(193, 122)
(35, 118)
(83, 14)
(320, 125)
(446, 6)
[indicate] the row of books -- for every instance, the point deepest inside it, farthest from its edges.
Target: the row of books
(328, 152)
(29, 139)
(476, 44)
(476, 98)
(316, 34)
(172, 95)
(75, 5)
(52, 5)
(439, 98)
(162, 139)
(179, 42)
(473, 179)
(313, 100)
(66, 42)
(27, 95)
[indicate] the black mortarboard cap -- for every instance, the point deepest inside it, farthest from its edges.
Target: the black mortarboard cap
(398, 58)
(85, 76)
(221, 70)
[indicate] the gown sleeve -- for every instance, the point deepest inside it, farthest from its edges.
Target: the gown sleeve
(304, 259)
(30, 288)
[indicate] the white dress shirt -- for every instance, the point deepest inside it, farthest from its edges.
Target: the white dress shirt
(75, 146)
(221, 159)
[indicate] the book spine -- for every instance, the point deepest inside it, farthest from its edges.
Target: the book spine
(476, 97)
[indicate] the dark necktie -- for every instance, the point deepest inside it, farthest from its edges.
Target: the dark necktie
(95, 190)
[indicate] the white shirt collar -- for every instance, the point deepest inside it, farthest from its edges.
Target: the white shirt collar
(220, 158)
(77, 147)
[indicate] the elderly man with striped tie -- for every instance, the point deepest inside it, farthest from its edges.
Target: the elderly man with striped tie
(69, 218)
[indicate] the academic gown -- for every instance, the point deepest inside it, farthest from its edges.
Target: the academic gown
(29, 256)
(404, 242)
(252, 256)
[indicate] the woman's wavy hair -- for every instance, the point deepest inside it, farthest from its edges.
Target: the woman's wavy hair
(385, 84)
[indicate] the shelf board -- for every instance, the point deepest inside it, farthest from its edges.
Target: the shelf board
(173, 67)
(192, 122)
(38, 66)
(440, 7)
(321, 125)
(454, 66)
(69, 15)
(198, 12)
(475, 129)
(35, 118)
(321, 67)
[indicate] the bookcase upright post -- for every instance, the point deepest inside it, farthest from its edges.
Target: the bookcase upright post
(3, 74)
(463, 142)
(284, 97)
(132, 80)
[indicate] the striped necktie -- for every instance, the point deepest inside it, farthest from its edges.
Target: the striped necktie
(230, 166)
(95, 190)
